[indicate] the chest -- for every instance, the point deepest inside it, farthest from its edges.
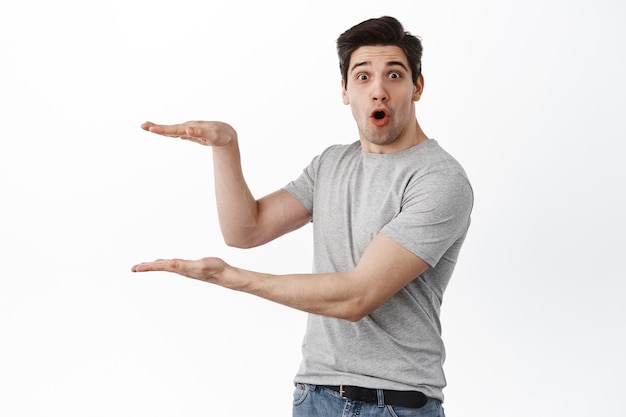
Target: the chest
(358, 199)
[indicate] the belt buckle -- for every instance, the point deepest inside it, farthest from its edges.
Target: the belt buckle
(342, 392)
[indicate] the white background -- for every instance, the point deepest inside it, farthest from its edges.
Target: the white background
(529, 96)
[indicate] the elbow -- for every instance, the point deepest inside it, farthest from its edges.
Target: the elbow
(239, 243)
(355, 311)
(353, 303)
(242, 239)
(233, 242)
(236, 245)
(354, 317)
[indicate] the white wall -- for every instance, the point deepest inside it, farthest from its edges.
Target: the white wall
(529, 96)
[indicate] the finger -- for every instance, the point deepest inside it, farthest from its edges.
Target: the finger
(176, 130)
(142, 267)
(167, 265)
(146, 125)
(158, 265)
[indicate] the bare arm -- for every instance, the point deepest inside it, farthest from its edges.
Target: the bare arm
(245, 221)
(384, 269)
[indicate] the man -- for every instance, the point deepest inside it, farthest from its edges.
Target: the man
(390, 213)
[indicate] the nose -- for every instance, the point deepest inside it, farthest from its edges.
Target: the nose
(379, 93)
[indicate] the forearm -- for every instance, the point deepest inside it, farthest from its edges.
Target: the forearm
(384, 269)
(236, 206)
(330, 294)
(245, 221)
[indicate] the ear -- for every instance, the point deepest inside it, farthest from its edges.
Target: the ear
(419, 88)
(344, 93)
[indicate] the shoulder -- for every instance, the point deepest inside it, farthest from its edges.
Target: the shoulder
(337, 155)
(342, 150)
(434, 153)
(434, 162)
(436, 173)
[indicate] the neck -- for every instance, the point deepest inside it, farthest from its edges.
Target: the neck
(410, 137)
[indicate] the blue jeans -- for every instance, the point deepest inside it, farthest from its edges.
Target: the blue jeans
(317, 401)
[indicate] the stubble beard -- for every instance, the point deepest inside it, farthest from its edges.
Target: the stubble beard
(382, 136)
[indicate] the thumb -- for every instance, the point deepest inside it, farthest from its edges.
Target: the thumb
(193, 131)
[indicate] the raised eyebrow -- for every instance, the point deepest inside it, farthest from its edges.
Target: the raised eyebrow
(397, 63)
(359, 64)
(389, 64)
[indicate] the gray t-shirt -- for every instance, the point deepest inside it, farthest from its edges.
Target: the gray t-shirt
(422, 199)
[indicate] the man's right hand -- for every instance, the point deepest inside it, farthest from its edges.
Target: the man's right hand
(214, 134)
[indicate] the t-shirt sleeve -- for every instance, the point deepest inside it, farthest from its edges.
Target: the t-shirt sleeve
(435, 213)
(302, 188)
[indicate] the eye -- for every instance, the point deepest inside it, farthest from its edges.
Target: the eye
(362, 77)
(394, 75)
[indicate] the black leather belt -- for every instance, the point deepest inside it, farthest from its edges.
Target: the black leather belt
(410, 399)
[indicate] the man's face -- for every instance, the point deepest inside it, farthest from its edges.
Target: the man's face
(381, 95)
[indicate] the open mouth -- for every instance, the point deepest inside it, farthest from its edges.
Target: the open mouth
(379, 117)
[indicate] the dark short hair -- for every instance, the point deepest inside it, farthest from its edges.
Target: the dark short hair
(382, 31)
